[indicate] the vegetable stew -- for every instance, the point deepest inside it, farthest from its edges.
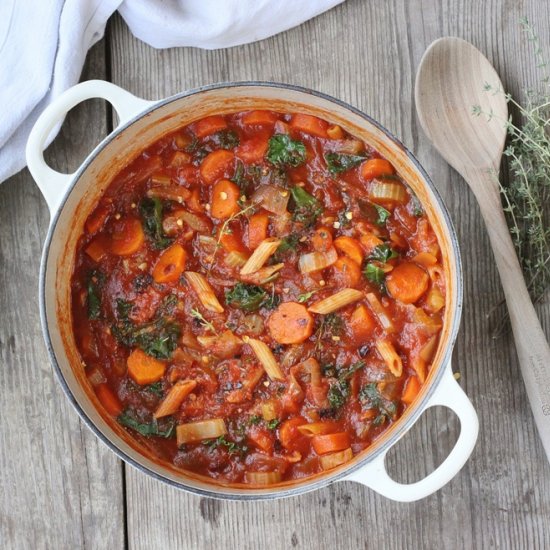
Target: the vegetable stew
(257, 297)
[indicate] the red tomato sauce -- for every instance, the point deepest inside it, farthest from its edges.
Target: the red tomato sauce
(257, 297)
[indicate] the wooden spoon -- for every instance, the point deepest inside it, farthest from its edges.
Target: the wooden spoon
(449, 83)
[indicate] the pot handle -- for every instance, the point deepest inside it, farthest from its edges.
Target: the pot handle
(53, 184)
(448, 394)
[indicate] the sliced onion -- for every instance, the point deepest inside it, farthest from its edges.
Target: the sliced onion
(196, 222)
(262, 478)
(388, 190)
(316, 261)
(197, 431)
(335, 459)
(273, 198)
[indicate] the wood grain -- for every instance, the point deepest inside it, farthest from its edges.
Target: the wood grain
(449, 82)
(59, 486)
(366, 53)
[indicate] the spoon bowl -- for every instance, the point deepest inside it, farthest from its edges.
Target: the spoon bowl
(454, 78)
(455, 81)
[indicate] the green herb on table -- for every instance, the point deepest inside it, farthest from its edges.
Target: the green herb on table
(526, 194)
(285, 151)
(341, 162)
(151, 213)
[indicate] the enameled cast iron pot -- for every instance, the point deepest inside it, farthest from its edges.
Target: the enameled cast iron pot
(72, 197)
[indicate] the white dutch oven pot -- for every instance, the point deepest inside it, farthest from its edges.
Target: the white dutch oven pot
(71, 197)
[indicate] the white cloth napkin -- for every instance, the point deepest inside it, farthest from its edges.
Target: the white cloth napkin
(43, 45)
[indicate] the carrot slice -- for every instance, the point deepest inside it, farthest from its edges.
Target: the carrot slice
(407, 282)
(261, 438)
(209, 125)
(216, 165)
(322, 239)
(259, 118)
(170, 264)
(225, 196)
(108, 399)
(252, 150)
(362, 323)
(370, 242)
(310, 125)
(257, 229)
(143, 368)
(288, 431)
(347, 272)
(232, 242)
(96, 249)
(290, 323)
(351, 248)
(374, 168)
(194, 201)
(127, 237)
(95, 222)
(178, 392)
(412, 387)
(329, 443)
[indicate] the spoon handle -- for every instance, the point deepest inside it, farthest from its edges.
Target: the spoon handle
(531, 345)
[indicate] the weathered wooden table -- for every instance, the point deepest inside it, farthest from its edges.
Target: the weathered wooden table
(60, 488)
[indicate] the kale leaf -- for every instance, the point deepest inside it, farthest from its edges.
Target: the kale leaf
(151, 213)
(250, 297)
(285, 151)
(383, 253)
(227, 139)
(306, 207)
(164, 428)
(340, 162)
(95, 280)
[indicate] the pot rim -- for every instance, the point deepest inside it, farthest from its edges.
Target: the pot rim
(218, 491)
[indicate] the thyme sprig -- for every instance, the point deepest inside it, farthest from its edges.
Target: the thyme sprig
(526, 194)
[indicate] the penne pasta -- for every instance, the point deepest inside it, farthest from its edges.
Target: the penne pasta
(335, 459)
(336, 301)
(235, 259)
(266, 358)
(197, 431)
(264, 251)
(204, 291)
(171, 403)
(436, 273)
(380, 312)
(391, 358)
(264, 275)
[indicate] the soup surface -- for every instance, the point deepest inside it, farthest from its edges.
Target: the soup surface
(257, 297)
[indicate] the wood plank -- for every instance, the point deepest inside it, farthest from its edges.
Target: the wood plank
(60, 487)
(367, 53)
